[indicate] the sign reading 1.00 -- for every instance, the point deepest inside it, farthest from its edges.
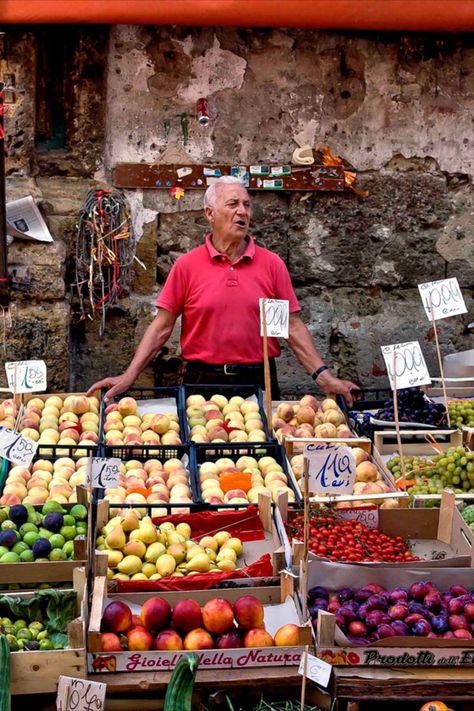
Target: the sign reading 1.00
(405, 365)
(26, 376)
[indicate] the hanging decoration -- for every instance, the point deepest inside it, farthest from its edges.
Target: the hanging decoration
(104, 253)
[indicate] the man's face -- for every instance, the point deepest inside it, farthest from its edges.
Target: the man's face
(230, 214)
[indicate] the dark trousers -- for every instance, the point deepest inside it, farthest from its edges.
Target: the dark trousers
(200, 373)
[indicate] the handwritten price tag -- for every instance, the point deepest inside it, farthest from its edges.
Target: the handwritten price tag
(444, 296)
(331, 469)
(316, 670)
(80, 695)
(16, 447)
(368, 515)
(104, 472)
(26, 376)
(407, 362)
(277, 317)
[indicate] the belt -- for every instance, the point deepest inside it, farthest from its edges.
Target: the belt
(225, 368)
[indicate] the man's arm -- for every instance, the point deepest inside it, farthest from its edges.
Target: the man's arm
(154, 338)
(301, 343)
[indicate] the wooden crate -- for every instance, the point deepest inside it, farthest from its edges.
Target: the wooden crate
(60, 571)
(38, 672)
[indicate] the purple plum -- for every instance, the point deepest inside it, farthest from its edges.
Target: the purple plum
(422, 628)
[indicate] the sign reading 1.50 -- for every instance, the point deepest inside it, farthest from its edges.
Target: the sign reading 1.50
(406, 366)
(26, 376)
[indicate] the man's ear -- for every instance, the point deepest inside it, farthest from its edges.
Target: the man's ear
(209, 212)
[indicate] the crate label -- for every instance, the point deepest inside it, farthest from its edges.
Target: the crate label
(277, 317)
(331, 469)
(398, 656)
(368, 515)
(16, 447)
(406, 366)
(105, 472)
(80, 694)
(317, 670)
(442, 298)
(26, 376)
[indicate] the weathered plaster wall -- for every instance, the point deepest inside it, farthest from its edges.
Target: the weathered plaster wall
(399, 109)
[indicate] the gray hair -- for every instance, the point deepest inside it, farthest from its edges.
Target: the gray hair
(211, 192)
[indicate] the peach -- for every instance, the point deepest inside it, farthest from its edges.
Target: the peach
(258, 638)
(110, 642)
(90, 437)
(127, 406)
(334, 417)
(31, 433)
(229, 640)
(30, 420)
(277, 422)
(168, 639)
(90, 417)
(305, 414)
(198, 639)
(310, 401)
(213, 415)
(117, 617)
(23, 472)
(155, 614)
(219, 433)
(150, 437)
(79, 404)
(186, 615)
(198, 429)
(112, 407)
(285, 431)
(218, 616)
(360, 455)
(12, 500)
(139, 639)
(175, 479)
(325, 431)
(248, 611)
(287, 636)
(328, 404)
(160, 424)
(235, 494)
(366, 471)
(16, 488)
(69, 432)
(195, 401)
(285, 411)
(170, 438)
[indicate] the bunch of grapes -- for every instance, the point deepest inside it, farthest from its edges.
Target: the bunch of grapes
(461, 412)
(468, 516)
(453, 469)
(413, 406)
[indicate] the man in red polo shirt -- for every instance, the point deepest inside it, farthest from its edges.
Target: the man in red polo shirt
(216, 289)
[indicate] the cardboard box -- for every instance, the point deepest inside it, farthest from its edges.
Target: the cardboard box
(280, 604)
(333, 647)
(38, 672)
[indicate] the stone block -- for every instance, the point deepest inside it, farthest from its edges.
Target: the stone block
(17, 187)
(144, 280)
(40, 266)
(39, 331)
(63, 195)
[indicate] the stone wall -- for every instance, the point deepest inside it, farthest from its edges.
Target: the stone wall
(399, 109)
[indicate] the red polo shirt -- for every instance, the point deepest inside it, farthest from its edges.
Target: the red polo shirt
(219, 302)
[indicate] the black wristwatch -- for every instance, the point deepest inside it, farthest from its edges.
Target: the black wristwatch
(318, 372)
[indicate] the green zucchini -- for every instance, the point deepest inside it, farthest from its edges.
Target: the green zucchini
(179, 693)
(5, 697)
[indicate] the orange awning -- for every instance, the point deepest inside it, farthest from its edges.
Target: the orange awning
(436, 15)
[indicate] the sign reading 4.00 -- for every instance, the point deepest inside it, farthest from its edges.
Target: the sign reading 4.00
(406, 367)
(26, 376)
(442, 298)
(331, 469)
(104, 472)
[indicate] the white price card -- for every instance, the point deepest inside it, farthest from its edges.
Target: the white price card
(368, 515)
(26, 376)
(443, 296)
(277, 317)
(80, 694)
(406, 367)
(104, 472)
(316, 669)
(16, 447)
(331, 469)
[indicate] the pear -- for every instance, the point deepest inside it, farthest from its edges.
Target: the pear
(221, 537)
(211, 553)
(155, 576)
(177, 575)
(115, 521)
(236, 544)
(116, 538)
(227, 554)
(165, 565)
(110, 574)
(226, 564)
(194, 551)
(137, 548)
(100, 541)
(101, 548)
(148, 569)
(173, 538)
(130, 520)
(154, 551)
(209, 542)
(134, 535)
(199, 563)
(147, 531)
(184, 529)
(130, 565)
(121, 576)
(115, 556)
(139, 576)
(178, 551)
(182, 568)
(167, 526)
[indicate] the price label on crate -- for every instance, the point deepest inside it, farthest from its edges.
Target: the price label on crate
(26, 376)
(368, 515)
(317, 670)
(442, 298)
(277, 317)
(16, 447)
(104, 472)
(80, 694)
(331, 469)
(405, 365)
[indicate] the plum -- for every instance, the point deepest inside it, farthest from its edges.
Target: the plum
(439, 623)
(362, 595)
(469, 611)
(362, 612)
(418, 591)
(357, 628)
(457, 590)
(462, 634)
(449, 635)
(340, 621)
(398, 611)
(422, 628)
(398, 595)
(346, 594)
(457, 622)
(318, 592)
(358, 641)
(413, 618)
(374, 588)
(455, 606)
(416, 607)
(400, 628)
(374, 618)
(377, 602)
(385, 630)
(347, 613)
(433, 601)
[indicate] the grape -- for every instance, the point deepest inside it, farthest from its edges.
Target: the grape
(453, 469)
(461, 412)
(413, 406)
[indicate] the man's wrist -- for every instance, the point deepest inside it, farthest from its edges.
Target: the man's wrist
(322, 369)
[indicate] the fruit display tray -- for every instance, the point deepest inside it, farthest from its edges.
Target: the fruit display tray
(332, 646)
(211, 452)
(245, 391)
(287, 610)
(57, 571)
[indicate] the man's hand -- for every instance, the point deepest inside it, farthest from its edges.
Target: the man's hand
(116, 385)
(330, 384)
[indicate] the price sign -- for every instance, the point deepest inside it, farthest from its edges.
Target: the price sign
(369, 515)
(331, 469)
(407, 362)
(80, 695)
(16, 447)
(277, 317)
(316, 670)
(26, 376)
(104, 472)
(444, 296)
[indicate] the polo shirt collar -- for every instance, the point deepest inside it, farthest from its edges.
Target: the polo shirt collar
(214, 253)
